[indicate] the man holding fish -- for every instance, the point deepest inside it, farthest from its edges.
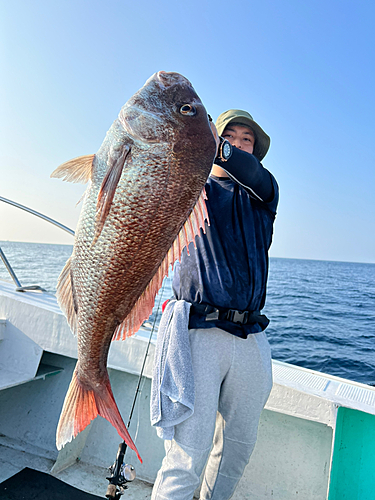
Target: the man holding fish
(224, 279)
(143, 207)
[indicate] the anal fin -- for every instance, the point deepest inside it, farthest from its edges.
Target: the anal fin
(143, 307)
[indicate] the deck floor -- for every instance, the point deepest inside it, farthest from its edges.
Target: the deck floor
(82, 475)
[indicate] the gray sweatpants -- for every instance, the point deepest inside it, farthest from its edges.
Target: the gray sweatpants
(233, 379)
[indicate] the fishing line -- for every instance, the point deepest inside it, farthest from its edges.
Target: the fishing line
(139, 410)
(146, 354)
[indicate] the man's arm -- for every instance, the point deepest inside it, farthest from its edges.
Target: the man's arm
(247, 170)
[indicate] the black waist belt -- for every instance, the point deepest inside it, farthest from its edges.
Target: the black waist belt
(243, 317)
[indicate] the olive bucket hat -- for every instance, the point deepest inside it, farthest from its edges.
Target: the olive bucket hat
(262, 140)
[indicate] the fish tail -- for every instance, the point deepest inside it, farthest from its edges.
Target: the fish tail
(107, 408)
(82, 405)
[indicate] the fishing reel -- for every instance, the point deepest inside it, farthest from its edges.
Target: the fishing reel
(121, 474)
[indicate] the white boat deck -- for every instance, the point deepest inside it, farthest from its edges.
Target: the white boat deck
(83, 476)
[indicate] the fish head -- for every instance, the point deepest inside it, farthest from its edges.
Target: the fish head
(167, 109)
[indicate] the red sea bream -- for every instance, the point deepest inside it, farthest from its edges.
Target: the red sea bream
(144, 203)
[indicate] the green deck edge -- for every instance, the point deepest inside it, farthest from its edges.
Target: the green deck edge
(353, 461)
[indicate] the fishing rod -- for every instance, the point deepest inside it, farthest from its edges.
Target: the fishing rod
(121, 473)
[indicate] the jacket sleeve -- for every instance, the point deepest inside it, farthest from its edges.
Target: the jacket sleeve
(246, 170)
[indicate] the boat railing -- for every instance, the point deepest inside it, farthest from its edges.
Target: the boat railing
(19, 287)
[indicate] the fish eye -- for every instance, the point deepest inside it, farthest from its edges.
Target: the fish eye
(188, 110)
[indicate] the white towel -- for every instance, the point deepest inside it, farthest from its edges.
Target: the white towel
(172, 388)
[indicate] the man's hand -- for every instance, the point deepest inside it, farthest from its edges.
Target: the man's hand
(216, 136)
(216, 170)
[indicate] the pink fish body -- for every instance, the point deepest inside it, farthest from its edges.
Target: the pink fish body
(144, 203)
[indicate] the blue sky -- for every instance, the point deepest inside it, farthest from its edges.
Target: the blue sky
(303, 69)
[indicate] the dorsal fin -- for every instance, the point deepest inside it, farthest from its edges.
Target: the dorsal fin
(76, 170)
(65, 297)
(143, 307)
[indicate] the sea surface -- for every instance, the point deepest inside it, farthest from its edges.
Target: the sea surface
(322, 313)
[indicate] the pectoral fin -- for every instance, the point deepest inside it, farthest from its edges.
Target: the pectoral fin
(107, 191)
(76, 170)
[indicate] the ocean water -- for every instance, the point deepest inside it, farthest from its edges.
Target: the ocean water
(322, 313)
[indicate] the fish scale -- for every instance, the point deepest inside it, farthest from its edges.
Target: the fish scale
(144, 203)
